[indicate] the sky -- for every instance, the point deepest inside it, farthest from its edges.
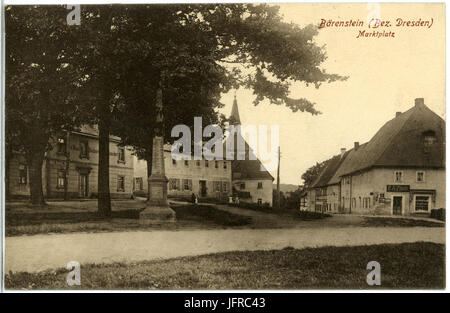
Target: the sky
(385, 76)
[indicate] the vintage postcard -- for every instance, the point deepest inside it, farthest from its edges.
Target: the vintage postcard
(224, 146)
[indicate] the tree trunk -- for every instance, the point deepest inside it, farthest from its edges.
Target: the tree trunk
(66, 172)
(149, 157)
(8, 158)
(104, 197)
(35, 162)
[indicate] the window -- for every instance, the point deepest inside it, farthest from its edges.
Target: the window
(366, 202)
(242, 186)
(224, 165)
(398, 176)
(120, 183)
(429, 138)
(22, 174)
(174, 184)
(61, 145)
(197, 163)
(61, 179)
(206, 163)
(259, 201)
(186, 163)
(217, 186)
(260, 185)
(422, 203)
(187, 184)
(139, 183)
(121, 154)
(353, 202)
(216, 164)
(420, 177)
(84, 149)
(174, 162)
(225, 186)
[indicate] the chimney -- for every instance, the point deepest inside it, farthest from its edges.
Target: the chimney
(419, 101)
(356, 145)
(397, 114)
(342, 151)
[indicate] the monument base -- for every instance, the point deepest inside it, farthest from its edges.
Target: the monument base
(157, 214)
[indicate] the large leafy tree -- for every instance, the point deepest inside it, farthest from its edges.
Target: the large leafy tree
(312, 173)
(42, 83)
(197, 52)
(193, 53)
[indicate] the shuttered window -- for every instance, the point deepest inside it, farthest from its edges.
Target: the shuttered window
(187, 184)
(61, 179)
(120, 183)
(22, 174)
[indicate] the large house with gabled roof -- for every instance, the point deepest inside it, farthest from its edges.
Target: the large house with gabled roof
(400, 171)
(326, 192)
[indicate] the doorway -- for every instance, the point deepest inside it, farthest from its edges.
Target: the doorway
(397, 205)
(83, 188)
(202, 188)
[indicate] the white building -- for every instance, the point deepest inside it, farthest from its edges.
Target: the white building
(400, 171)
(213, 179)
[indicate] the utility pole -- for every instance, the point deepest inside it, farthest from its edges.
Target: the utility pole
(278, 180)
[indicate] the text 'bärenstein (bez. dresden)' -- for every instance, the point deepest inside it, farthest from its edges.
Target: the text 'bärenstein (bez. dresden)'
(377, 28)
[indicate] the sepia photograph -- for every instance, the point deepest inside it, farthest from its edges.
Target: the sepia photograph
(223, 147)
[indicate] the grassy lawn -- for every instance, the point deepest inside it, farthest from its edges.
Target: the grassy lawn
(398, 222)
(296, 214)
(209, 214)
(55, 220)
(403, 266)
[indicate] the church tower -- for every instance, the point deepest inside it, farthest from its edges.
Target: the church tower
(250, 183)
(235, 119)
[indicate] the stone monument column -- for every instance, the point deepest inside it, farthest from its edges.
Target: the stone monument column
(157, 210)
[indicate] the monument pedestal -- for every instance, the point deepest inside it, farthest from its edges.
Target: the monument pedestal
(157, 215)
(157, 210)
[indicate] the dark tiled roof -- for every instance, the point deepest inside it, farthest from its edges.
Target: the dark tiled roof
(325, 176)
(92, 130)
(400, 143)
(251, 167)
(248, 168)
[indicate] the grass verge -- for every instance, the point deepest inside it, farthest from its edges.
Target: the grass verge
(294, 213)
(26, 223)
(209, 213)
(417, 265)
(399, 222)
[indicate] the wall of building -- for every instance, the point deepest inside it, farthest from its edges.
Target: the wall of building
(366, 193)
(311, 200)
(87, 165)
(320, 199)
(265, 194)
(16, 186)
(333, 198)
(217, 178)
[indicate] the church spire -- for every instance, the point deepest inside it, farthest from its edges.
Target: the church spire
(234, 117)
